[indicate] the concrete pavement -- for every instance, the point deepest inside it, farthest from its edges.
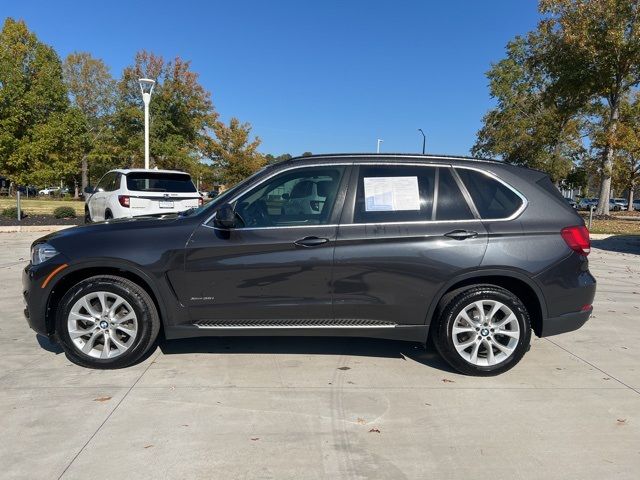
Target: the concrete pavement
(278, 408)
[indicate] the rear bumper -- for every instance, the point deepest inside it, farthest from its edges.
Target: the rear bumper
(565, 323)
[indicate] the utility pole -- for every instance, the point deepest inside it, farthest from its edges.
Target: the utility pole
(378, 146)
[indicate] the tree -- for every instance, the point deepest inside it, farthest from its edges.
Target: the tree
(92, 91)
(38, 132)
(626, 166)
(596, 44)
(181, 111)
(236, 153)
(531, 125)
(270, 159)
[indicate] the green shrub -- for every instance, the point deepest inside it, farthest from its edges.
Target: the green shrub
(12, 212)
(64, 212)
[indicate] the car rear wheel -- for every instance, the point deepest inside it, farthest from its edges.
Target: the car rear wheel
(106, 322)
(87, 215)
(483, 330)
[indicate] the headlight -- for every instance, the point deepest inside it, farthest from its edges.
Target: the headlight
(41, 253)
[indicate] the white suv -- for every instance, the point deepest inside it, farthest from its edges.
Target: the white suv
(136, 192)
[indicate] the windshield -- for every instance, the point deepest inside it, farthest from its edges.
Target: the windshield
(160, 182)
(222, 198)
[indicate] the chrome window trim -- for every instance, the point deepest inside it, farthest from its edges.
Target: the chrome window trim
(492, 175)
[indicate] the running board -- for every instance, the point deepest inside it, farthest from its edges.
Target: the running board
(295, 324)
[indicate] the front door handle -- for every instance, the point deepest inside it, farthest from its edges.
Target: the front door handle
(310, 242)
(461, 234)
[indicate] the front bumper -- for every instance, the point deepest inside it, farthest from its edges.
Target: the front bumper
(35, 296)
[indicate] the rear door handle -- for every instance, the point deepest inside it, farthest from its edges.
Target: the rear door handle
(461, 234)
(310, 242)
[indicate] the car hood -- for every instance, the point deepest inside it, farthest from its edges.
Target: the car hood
(114, 225)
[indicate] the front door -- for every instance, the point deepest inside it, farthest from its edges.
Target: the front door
(406, 230)
(275, 265)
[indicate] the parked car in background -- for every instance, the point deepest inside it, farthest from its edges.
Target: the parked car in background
(621, 203)
(479, 255)
(137, 192)
(586, 203)
(572, 203)
(636, 204)
(213, 193)
(49, 191)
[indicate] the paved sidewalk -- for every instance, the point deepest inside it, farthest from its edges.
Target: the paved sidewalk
(278, 408)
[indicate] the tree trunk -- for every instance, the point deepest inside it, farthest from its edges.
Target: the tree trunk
(85, 170)
(630, 207)
(607, 161)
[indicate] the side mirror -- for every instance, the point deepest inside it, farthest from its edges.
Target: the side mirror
(225, 216)
(285, 196)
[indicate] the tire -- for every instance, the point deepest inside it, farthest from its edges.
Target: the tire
(132, 328)
(498, 348)
(87, 216)
(108, 215)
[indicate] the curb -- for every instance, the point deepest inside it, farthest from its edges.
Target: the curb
(33, 228)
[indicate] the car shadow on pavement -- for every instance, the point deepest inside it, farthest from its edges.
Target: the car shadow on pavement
(48, 345)
(366, 347)
(619, 243)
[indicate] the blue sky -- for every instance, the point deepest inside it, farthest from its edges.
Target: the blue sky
(322, 76)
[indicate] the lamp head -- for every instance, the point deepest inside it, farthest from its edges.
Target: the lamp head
(146, 85)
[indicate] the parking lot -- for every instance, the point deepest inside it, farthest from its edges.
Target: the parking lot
(277, 408)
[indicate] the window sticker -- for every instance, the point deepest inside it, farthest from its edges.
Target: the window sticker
(391, 194)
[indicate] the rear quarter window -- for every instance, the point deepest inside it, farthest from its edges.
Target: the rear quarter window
(492, 198)
(160, 182)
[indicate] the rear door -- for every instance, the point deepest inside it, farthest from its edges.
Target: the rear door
(405, 231)
(152, 193)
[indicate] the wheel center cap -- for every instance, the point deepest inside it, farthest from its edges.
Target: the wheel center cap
(484, 332)
(104, 324)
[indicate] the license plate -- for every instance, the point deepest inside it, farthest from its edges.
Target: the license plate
(165, 204)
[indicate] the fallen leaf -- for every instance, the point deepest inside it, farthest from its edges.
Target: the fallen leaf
(351, 383)
(255, 438)
(148, 446)
(374, 430)
(361, 421)
(446, 380)
(606, 378)
(622, 421)
(102, 399)
(185, 425)
(344, 368)
(428, 404)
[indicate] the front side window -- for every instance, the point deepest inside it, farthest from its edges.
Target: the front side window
(305, 196)
(160, 182)
(492, 198)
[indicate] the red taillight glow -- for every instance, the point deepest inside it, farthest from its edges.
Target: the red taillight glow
(200, 202)
(124, 200)
(577, 238)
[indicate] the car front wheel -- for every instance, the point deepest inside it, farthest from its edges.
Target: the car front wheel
(106, 322)
(483, 330)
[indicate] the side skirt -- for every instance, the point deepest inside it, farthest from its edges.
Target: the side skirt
(413, 333)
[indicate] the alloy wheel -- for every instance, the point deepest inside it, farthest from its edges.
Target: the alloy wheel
(486, 333)
(102, 325)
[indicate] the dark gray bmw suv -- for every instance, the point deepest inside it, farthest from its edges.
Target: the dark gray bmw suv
(476, 254)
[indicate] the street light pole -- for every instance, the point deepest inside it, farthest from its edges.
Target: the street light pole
(424, 139)
(378, 147)
(146, 86)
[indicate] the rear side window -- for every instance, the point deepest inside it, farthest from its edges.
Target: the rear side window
(390, 193)
(451, 204)
(492, 198)
(159, 182)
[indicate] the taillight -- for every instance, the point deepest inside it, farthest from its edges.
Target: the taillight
(124, 200)
(200, 201)
(577, 238)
